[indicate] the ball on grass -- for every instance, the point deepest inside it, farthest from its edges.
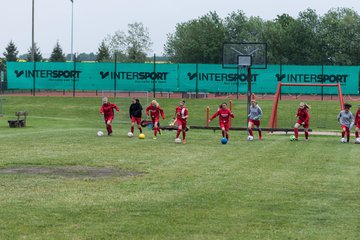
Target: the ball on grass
(177, 140)
(130, 134)
(100, 133)
(141, 136)
(292, 138)
(250, 138)
(224, 140)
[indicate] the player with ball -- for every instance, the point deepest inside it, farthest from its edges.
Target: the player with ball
(346, 119)
(224, 119)
(255, 114)
(181, 116)
(107, 109)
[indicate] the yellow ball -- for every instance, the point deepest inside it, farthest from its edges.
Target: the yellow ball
(142, 136)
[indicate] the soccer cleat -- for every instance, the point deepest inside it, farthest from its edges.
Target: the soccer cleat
(260, 138)
(154, 138)
(110, 134)
(184, 141)
(160, 132)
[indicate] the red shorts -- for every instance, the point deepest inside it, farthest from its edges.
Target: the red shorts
(255, 122)
(154, 120)
(225, 125)
(136, 119)
(110, 118)
(305, 125)
(343, 126)
(182, 123)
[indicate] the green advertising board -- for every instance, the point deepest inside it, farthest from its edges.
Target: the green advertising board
(208, 78)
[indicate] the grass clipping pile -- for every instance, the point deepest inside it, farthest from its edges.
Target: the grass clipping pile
(70, 171)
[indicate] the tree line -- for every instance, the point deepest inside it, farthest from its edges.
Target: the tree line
(309, 39)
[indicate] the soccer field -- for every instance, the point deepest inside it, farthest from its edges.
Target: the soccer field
(58, 180)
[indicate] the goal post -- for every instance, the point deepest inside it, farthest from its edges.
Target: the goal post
(273, 123)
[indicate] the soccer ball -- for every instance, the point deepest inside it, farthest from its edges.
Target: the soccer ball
(292, 138)
(130, 134)
(224, 140)
(177, 140)
(250, 138)
(100, 133)
(343, 140)
(141, 136)
(357, 140)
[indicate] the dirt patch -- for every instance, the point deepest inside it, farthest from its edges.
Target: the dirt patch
(71, 171)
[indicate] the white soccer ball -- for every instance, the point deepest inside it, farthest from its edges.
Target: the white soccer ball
(130, 134)
(250, 138)
(100, 133)
(357, 140)
(343, 140)
(177, 140)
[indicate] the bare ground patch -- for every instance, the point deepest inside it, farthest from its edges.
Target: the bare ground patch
(70, 171)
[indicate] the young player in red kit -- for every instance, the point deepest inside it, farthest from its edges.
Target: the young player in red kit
(357, 125)
(107, 109)
(303, 120)
(224, 119)
(181, 116)
(135, 112)
(154, 110)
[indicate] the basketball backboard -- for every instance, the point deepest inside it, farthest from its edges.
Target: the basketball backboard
(253, 55)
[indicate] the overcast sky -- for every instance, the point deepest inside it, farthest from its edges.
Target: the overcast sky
(95, 19)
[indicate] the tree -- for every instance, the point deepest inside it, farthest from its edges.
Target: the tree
(339, 29)
(138, 42)
(197, 41)
(103, 54)
(57, 54)
(37, 54)
(132, 46)
(11, 52)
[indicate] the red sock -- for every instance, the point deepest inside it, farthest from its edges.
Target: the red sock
(306, 135)
(155, 131)
(132, 129)
(223, 133)
(342, 134)
(250, 132)
(356, 134)
(227, 136)
(296, 132)
(178, 133)
(184, 135)
(260, 134)
(108, 128)
(348, 136)
(140, 129)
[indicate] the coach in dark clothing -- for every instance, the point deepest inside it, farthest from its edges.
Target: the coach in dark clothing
(135, 112)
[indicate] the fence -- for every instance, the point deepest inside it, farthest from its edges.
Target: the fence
(188, 78)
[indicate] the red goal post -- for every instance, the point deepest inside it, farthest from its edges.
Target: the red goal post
(273, 117)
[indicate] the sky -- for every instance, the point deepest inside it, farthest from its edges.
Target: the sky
(93, 20)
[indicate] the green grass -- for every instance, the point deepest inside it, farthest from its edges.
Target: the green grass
(274, 189)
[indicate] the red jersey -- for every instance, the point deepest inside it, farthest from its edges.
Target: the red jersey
(181, 113)
(155, 112)
(357, 118)
(108, 109)
(303, 115)
(224, 115)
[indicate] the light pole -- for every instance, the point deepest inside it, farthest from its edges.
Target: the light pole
(32, 35)
(72, 30)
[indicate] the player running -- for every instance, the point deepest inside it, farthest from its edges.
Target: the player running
(255, 113)
(181, 116)
(107, 109)
(224, 119)
(154, 110)
(346, 119)
(357, 124)
(303, 120)
(135, 112)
